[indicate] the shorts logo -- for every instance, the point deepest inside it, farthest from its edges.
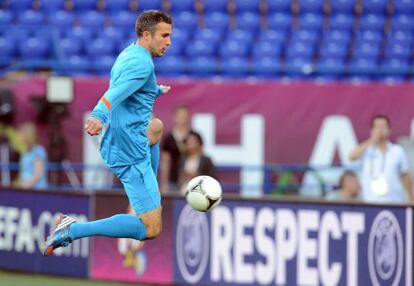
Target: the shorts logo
(192, 244)
(385, 250)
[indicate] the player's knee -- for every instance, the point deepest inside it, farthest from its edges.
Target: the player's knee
(153, 223)
(155, 129)
(153, 231)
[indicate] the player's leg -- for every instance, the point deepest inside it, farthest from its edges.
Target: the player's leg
(154, 134)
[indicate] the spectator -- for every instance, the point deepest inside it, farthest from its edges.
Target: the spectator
(173, 149)
(33, 161)
(384, 176)
(349, 187)
(195, 163)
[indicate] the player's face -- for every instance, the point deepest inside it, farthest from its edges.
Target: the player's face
(161, 39)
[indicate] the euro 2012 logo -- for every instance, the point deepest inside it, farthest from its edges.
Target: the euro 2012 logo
(133, 252)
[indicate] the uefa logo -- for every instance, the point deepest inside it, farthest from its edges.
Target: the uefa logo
(192, 244)
(385, 250)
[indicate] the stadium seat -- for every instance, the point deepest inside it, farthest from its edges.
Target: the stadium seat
(403, 22)
(203, 66)
(298, 49)
(277, 6)
(275, 36)
(280, 21)
(394, 67)
(124, 20)
(120, 46)
(20, 5)
(210, 6)
(235, 67)
(182, 5)
(266, 49)
(52, 6)
(93, 20)
(248, 21)
(398, 51)
(371, 37)
(266, 67)
(333, 50)
(244, 36)
(31, 17)
(6, 17)
(34, 48)
(339, 37)
(75, 65)
(363, 66)
(82, 34)
(234, 48)
(200, 48)
(176, 49)
(341, 22)
(330, 66)
(113, 6)
(17, 35)
(111, 34)
(372, 22)
(401, 37)
(310, 21)
(102, 65)
(70, 46)
(100, 47)
(311, 6)
(374, 6)
(299, 67)
(209, 35)
(84, 5)
(180, 35)
(186, 20)
(149, 5)
(243, 6)
(62, 20)
(404, 7)
(342, 6)
(170, 66)
(304, 36)
(217, 21)
(366, 51)
(7, 47)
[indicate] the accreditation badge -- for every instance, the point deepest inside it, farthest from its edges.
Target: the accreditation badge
(379, 186)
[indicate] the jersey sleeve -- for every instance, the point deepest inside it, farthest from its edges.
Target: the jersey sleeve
(134, 77)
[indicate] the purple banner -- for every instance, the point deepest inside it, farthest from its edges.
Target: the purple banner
(25, 220)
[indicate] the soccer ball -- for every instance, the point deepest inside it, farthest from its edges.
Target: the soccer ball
(203, 193)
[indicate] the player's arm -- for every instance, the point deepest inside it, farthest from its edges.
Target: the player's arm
(135, 77)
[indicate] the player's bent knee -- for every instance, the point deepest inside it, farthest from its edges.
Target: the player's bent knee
(153, 223)
(155, 129)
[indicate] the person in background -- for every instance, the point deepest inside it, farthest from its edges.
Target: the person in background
(349, 187)
(385, 171)
(195, 163)
(33, 161)
(173, 149)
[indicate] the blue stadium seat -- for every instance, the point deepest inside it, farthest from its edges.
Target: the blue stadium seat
(374, 6)
(330, 66)
(404, 7)
(124, 20)
(209, 35)
(200, 48)
(62, 20)
(120, 46)
(84, 5)
(333, 50)
(398, 67)
(304, 36)
(215, 6)
(235, 67)
(363, 66)
(366, 51)
(100, 47)
(342, 6)
(266, 67)
(217, 21)
(93, 20)
(299, 67)
(149, 5)
(244, 36)
(75, 65)
(248, 21)
(20, 5)
(18, 35)
(34, 48)
(341, 22)
(170, 66)
(252, 6)
(280, 21)
(103, 64)
(339, 37)
(310, 21)
(6, 17)
(403, 22)
(82, 34)
(311, 6)
(203, 66)
(274, 36)
(176, 49)
(234, 48)
(182, 5)
(398, 51)
(180, 35)
(31, 17)
(7, 47)
(267, 50)
(111, 34)
(372, 22)
(277, 6)
(52, 6)
(185, 20)
(113, 6)
(299, 49)
(371, 37)
(400, 37)
(70, 46)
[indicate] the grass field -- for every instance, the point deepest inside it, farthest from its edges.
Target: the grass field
(24, 279)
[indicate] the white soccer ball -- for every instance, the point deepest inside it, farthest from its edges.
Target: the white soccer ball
(203, 193)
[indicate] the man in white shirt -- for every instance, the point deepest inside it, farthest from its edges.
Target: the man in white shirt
(385, 171)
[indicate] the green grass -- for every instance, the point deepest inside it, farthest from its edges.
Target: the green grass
(24, 279)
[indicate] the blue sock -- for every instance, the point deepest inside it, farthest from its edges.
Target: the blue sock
(155, 157)
(121, 225)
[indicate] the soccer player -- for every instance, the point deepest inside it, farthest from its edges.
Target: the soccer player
(123, 115)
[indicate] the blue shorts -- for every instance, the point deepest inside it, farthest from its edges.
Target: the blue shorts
(141, 186)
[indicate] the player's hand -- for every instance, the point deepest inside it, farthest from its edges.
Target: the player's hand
(165, 89)
(93, 126)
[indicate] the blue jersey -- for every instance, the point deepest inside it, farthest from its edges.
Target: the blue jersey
(126, 108)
